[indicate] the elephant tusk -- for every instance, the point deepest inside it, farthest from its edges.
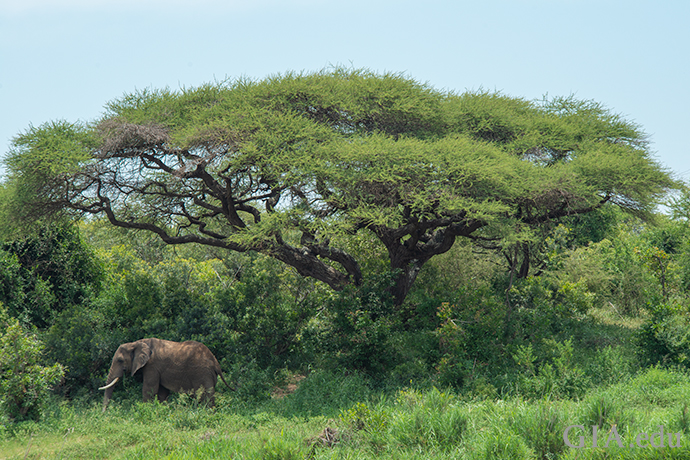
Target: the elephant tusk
(110, 384)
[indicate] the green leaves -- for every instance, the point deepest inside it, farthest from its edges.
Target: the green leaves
(24, 383)
(53, 148)
(388, 181)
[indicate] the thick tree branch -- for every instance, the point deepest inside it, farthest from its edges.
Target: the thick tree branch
(307, 263)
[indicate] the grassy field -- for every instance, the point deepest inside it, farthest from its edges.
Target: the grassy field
(347, 421)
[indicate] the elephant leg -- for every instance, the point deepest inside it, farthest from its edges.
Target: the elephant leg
(151, 387)
(208, 397)
(163, 393)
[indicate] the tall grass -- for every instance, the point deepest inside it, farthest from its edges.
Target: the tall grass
(341, 417)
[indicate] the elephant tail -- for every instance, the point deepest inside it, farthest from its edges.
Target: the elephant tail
(220, 373)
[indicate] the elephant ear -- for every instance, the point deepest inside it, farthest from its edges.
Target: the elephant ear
(142, 353)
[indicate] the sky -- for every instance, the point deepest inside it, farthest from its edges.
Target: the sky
(65, 59)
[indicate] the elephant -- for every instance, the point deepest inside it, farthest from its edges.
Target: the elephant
(166, 366)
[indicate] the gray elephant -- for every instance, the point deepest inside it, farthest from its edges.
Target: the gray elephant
(166, 366)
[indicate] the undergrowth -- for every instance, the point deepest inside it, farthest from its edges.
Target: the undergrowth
(353, 421)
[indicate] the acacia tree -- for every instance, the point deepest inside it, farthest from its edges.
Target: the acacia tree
(292, 165)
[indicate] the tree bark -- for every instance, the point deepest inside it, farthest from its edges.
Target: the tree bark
(307, 263)
(410, 248)
(524, 266)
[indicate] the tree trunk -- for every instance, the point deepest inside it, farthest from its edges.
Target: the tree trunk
(408, 256)
(524, 266)
(404, 281)
(507, 321)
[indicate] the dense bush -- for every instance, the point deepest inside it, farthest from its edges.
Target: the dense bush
(610, 269)
(24, 382)
(249, 319)
(480, 333)
(469, 339)
(554, 374)
(664, 338)
(354, 329)
(632, 287)
(12, 290)
(47, 272)
(82, 341)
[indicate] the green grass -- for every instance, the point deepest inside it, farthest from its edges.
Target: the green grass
(351, 422)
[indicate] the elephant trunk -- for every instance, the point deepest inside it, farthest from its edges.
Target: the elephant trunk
(108, 390)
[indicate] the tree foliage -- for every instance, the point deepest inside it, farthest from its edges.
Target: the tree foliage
(293, 165)
(46, 272)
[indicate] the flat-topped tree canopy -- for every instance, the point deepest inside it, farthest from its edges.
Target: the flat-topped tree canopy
(290, 166)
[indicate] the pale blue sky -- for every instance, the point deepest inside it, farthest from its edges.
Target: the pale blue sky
(64, 59)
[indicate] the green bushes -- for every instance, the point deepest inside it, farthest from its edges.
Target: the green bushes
(610, 365)
(528, 347)
(47, 272)
(469, 339)
(259, 317)
(250, 324)
(615, 269)
(354, 328)
(24, 382)
(81, 340)
(665, 336)
(555, 375)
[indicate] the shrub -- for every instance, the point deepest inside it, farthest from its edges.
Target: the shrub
(469, 338)
(665, 337)
(80, 340)
(553, 373)
(611, 365)
(11, 280)
(24, 383)
(416, 353)
(50, 270)
(252, 381)
(354, 330)
(551, 298)
(631, 285)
